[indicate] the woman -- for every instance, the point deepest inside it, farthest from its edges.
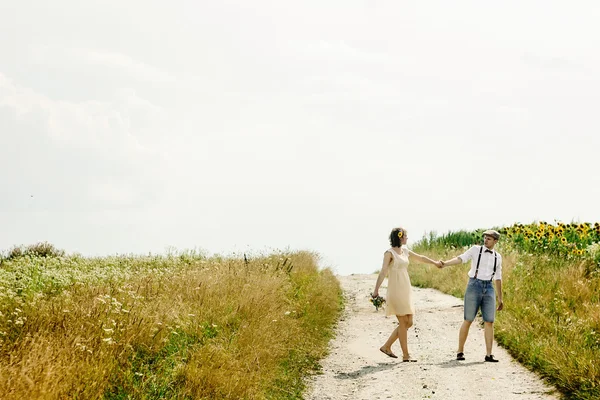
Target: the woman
(399, 294)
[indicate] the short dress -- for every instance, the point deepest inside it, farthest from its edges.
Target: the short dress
(399, 293)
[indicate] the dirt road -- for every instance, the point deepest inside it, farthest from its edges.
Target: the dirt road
(356, 369)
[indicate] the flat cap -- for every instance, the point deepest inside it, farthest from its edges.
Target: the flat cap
(492, 233)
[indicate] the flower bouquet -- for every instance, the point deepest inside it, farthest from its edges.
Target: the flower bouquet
(377, 301)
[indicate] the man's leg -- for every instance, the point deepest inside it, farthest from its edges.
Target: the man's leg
(489, 337)
(471, 306)
(488, 312)
(462, 335)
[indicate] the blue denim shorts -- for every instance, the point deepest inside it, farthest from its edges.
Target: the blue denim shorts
(480, 295)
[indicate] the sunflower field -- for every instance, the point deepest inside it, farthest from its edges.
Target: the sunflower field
(566, 240)
(570, 241)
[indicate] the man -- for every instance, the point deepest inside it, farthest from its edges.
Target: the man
(486, 267)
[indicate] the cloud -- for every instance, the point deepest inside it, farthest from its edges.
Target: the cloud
(76, 155)
(133, 67)
(63, 56)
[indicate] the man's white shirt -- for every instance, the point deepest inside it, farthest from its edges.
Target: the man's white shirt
(486, 264)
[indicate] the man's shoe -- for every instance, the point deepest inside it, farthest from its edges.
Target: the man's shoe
(490, 359)
(460, 356)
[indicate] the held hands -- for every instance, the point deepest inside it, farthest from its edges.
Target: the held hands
(440, 264)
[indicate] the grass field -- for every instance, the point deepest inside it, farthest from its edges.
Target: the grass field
(551, 320)
(187, 326)
(181, 326)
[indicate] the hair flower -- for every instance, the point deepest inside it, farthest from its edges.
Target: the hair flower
(400, 234)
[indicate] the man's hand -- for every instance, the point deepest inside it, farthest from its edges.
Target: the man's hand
(439, 264)
(500, 305)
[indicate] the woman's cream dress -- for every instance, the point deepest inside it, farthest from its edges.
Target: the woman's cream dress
(399, 293)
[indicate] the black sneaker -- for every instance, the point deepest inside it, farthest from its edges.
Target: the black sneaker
(490, 359)
(460, 356)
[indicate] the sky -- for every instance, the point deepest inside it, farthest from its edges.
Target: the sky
(236, 127)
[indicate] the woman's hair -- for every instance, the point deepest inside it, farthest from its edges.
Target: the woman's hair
(396, 237)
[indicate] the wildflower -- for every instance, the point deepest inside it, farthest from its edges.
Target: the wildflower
(377, 301)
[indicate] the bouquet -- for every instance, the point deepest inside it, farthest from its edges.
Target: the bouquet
(377, 302)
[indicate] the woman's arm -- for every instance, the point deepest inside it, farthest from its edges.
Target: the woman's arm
(387, 258)
(424, 259)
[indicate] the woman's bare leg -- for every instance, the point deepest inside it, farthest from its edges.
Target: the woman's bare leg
(387, 347)
(403, 334)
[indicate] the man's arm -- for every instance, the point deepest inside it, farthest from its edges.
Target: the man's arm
(499, 291)
(454, 261)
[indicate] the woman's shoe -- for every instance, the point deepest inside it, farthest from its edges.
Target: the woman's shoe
(387, 353)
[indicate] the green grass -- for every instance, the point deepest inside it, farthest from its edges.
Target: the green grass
(551, 320)
(180, 326)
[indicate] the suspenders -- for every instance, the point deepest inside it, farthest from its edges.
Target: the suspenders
(479, 259)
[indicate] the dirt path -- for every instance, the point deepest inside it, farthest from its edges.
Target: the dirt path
(355, 369)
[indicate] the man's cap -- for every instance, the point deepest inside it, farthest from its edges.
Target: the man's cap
(492, 233)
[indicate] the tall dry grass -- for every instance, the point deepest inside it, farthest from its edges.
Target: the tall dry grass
(551, 318)
(173, 327)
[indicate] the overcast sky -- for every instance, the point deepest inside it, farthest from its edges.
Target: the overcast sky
(245, 126)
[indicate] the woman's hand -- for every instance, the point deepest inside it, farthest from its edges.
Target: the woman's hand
(375, 294)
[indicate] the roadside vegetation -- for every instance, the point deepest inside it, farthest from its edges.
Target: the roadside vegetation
(177, 326)
(551, 285)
